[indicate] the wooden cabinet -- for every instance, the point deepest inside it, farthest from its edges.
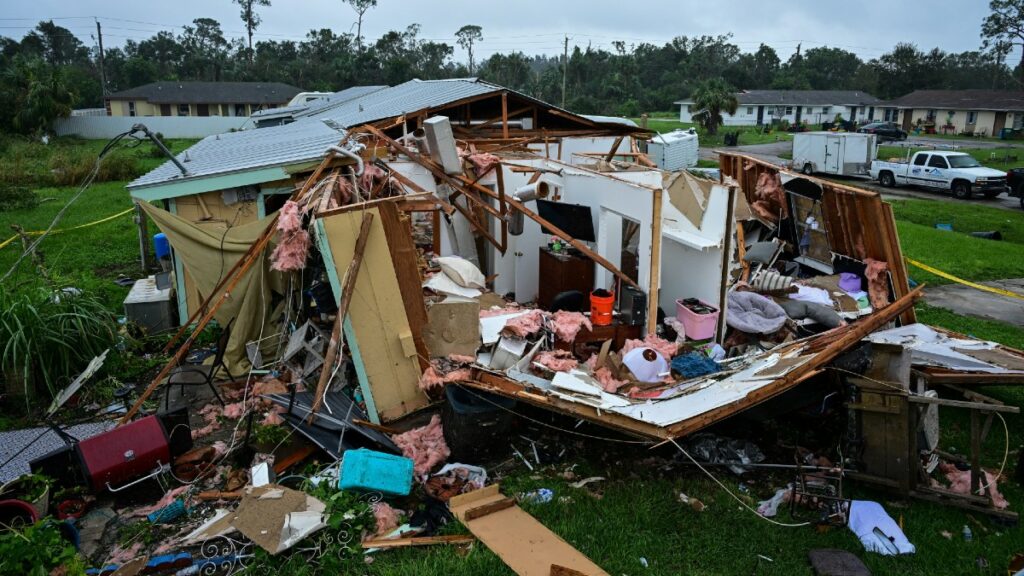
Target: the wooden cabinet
(560, 272)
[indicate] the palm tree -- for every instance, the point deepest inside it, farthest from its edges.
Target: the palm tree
(713, 97)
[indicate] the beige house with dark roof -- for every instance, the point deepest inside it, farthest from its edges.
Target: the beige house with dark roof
(980, 112)
(177, 98)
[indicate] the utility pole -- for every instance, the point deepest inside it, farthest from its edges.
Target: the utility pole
(565, 68)
(103, 75)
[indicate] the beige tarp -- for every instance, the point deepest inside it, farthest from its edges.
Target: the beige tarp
(207, 252)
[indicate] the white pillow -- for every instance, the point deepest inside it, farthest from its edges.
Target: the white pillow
(462, 272)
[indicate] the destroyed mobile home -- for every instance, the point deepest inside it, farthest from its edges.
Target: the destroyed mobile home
(490, 250)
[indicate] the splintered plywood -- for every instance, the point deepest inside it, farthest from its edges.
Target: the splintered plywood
(522, 543)
(377, 331)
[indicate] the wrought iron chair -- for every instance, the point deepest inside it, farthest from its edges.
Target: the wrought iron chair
(203, 374)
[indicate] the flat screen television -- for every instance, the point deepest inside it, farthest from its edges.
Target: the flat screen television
(574, 219)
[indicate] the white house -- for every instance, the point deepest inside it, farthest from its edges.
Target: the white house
(810, 106)
(980, 112)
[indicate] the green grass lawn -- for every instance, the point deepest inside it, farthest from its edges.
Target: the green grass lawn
(957, 252)
(991, 157)
(89, 258)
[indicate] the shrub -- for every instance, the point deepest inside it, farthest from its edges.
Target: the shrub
(47, 337)
(70, 168)
(17, 198)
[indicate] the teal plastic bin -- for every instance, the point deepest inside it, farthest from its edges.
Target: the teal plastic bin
(371, 471)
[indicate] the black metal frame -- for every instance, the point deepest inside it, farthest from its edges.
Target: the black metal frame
(208, 375)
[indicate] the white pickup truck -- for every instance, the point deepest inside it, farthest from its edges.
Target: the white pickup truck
(957, 172)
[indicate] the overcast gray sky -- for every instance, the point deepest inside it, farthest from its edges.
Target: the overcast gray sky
(866, 27)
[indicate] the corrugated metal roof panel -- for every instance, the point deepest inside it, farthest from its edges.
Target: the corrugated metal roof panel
(411, 96)
(308, 137)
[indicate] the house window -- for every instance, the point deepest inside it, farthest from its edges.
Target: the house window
(183, 110)
(131, 108)
(808, 110)
(972, 116)
(826, 109)
(931, 115)
(750, 110)
(789, 110)
(240, 110)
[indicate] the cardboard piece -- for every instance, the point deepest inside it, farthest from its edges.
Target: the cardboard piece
(522, 543)
(275, 518)
(453, 327)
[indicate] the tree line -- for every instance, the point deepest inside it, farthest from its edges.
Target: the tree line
(50, 71)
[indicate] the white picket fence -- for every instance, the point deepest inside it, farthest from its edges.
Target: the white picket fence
(102, 127)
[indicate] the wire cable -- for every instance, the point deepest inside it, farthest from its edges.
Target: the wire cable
(734, 496)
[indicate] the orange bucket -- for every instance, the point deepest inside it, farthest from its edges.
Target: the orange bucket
(601, 307)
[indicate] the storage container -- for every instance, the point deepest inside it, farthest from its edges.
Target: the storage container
(475, 423)
(697, 326)
(372, 471)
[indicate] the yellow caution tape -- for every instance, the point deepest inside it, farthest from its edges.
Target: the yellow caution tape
(80, 226)
(948, 276)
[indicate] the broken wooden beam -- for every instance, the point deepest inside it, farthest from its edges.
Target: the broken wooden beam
(418, 541)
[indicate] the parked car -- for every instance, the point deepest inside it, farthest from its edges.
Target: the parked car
(1015, 184)
(957, 172)
(884, 131)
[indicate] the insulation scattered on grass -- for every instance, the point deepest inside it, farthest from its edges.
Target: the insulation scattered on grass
(425, 446)
(386, 516)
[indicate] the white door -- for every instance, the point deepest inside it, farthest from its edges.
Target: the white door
(832, 162)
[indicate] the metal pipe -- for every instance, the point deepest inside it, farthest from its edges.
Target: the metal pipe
(159, 144)
(349, 154)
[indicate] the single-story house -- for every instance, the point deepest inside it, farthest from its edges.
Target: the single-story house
(811, 106)
(178, 98)
(982, 112)
(240, 177)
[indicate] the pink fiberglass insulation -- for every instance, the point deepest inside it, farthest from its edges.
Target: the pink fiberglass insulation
(653, 341)
(878, 284)
(568, 324)
(556, 360)
(425, 446)
(234, 411)
(211, 414)
(525, 325)
(960, 482)
(769, 198)
(121, 555)
(386, 516)
(462, 358)
(609, 382)
(436, 375)
(166, 500)
(371, 174)
(483, 162)
(293, 241)
(272, 418)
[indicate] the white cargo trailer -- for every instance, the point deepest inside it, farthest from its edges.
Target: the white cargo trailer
(675, 150)
(841, 153)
